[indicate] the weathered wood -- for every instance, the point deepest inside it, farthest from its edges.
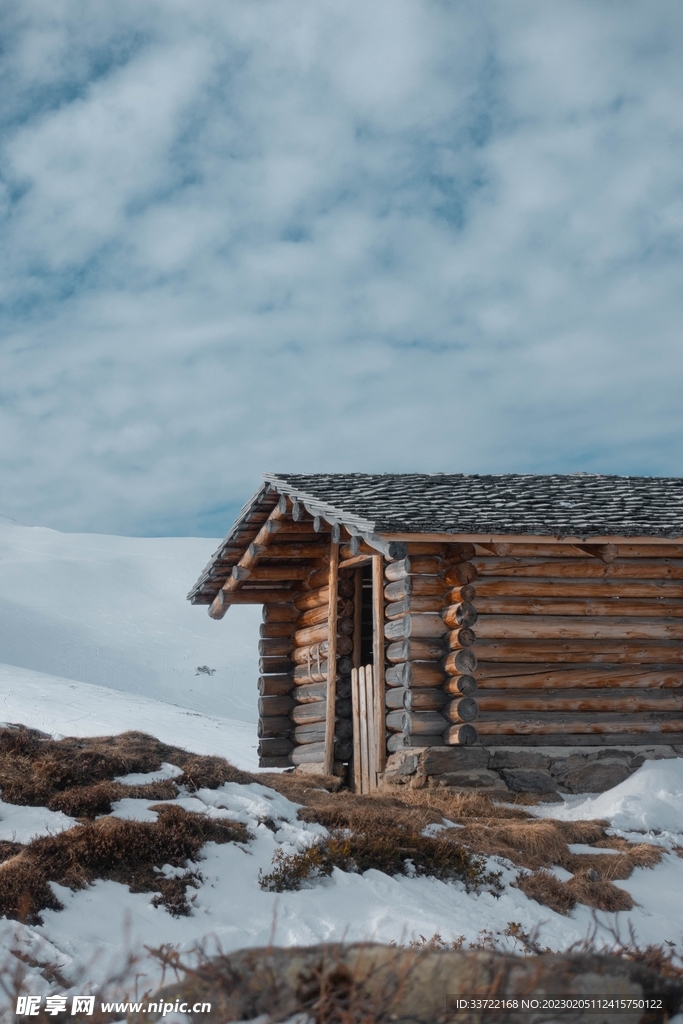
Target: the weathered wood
(634, 568)
(278, 725)
(262, 573)
(460, 663)
(279, 613)
(275, 686)
(248, 561)
(586, 723)
(313, 596)
(549, 627)
(270, 666)
(312, 753)
(415, 700)
(413, 605)
(320, 651)
(423, 626)
(364, 731)
(356, 655)
(466, 685)
(415, 674)
(315, 634)
(458, 575)
(605, 589)
(460, 736)
(275, 705)
(463, 637)
(311, 692)
(313, 617)
(378, 662)
(298, 530)
(614, 606)
(581, 700)
(463, 709)
(414, 565)
(292, 549)
(399, 741)
(222, 601)
(373, 725)
(314, 732)
(319, 579)
(536, 677)
(275, 647)
(586, 651)
(271, 630)
(274, 762)
(462, 614)
(315, 712)
(276, 746)
(624, 740)
(416, 723)
(316, 672)
(334, 647)
(416, 650)
(416, 586)
(356, 722)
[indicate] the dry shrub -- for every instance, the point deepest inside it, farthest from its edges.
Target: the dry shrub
(111, 848)
(530, 843)
(8, 849)
(461, 805)
(91, 801)
(544, 887)
(392, 849)
(599, 892)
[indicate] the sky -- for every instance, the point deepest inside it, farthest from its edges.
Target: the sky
(241, 236)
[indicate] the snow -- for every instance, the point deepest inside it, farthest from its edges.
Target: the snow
(97, 638)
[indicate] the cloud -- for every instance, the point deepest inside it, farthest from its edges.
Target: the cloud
(407, 235)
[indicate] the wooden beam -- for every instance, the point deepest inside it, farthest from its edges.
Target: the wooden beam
(333, 583)
(262, 539)
(262, 573)
(378, 657)
(354, 560)
(223, 600)
(511, 538)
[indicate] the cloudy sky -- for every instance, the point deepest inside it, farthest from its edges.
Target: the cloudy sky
(287, 235)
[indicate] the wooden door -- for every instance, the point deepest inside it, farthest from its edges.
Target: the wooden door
(368, 719)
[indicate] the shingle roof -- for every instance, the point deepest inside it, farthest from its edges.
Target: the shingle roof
(575, 504)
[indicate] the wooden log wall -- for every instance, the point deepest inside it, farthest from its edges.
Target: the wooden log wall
(275, 685)
(576, 645)
(429, 681)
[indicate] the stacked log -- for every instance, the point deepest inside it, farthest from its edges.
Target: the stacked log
(580, 644)
(429, 681)
(275, 685)
(310, 647)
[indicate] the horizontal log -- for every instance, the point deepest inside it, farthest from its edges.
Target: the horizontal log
(278, 725)
(399, 741)
(315, 652)
(549, 627)
(315, 634)
(276, 746)
(319, 580)
(318, 672)
(314, 616)
(524, 549)
(313, 597)
(269, 630)
(415, 700)
(416, 586)
(463, 709)
(460, 663)
(585, 651)
(275, 686)
(414, 565)
(610, 606)
(623, 741)
(457, 575)
(460, 736)
(279, 613)
(291, 549)
(604, 589)
(274, 762)
(270, 666)
(463, 637)
(549, 726)
(314, 732)
(316, 711)
(465, 685)
(462, 614)
(413, 605)
(275, 705)
(633, 568)
(311, 692)
(263, 573)
(313, 753)
(416, 650)
(295, 530)
(580, 700)
(420, 723)
(428, 625)
(528, 677)
(276, 647)
(453, 551)
(220, 604)
(415, 674)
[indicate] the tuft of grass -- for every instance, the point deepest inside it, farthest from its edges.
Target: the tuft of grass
(393, 850)
(112, 848)
(585, 887)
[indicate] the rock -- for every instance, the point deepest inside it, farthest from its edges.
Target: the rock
(597, 776)
(470, 778)
(403, 762)
(519, 759)
(437, 760)
(529, 780)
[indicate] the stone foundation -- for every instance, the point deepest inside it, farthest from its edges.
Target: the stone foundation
(545, 771)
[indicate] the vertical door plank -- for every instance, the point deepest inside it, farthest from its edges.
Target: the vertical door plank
(355, 714)
(378, 659)
(362, 693)
(372, 728)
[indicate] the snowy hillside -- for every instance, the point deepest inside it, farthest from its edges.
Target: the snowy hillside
(112, 611)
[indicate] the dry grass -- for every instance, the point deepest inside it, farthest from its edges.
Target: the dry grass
(112, 848)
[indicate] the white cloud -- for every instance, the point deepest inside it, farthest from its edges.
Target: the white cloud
(401, 235)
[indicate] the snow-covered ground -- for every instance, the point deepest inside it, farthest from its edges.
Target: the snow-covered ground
(112, 611)
(101, 633)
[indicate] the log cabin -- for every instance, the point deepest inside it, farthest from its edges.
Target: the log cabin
(411, 612)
